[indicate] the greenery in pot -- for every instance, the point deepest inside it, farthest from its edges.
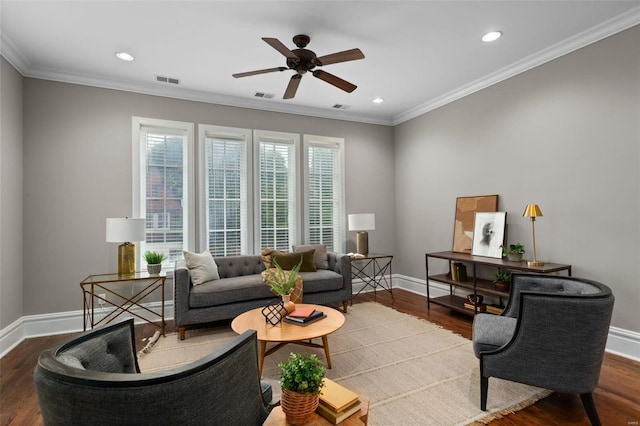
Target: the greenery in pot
(282, 282)
(503, 275)
(302, 373)
(154, 257)
(512, 249)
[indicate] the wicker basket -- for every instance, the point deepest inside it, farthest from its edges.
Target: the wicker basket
(299, 408)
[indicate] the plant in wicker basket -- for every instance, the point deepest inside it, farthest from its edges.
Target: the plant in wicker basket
(301, 378)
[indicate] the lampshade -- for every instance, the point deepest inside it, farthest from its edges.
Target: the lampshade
(125, 229)
(362, 222)
(532, 210)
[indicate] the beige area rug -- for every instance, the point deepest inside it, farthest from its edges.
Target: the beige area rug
(415, 372)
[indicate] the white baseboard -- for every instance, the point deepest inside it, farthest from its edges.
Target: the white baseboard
(621, 342)
(61, 323)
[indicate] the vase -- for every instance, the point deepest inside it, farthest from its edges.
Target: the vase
(299, 408)
(288, 304)
(154, 268)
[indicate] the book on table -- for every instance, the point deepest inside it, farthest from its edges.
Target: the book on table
(336, 402)
(302, 312)
(315, 316)
(336, 417)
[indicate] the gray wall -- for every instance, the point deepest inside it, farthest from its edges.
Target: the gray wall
(77, 172)
(10, 194)
(565, 135)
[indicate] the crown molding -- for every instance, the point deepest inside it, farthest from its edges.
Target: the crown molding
(585, 38)
(608, 28)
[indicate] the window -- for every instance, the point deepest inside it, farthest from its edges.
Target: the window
(225, 160)
(162, 174)
(255, 189)
(277, 215)
(324, 189)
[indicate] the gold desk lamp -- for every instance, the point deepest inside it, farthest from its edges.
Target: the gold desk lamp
(533, 211)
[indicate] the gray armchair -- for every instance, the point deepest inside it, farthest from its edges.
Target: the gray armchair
(552, 334)
(94, 379)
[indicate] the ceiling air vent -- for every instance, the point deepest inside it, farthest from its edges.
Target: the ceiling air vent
(341, 106)
(264, 95)
(169, 80)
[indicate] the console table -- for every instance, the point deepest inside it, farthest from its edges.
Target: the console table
(105, 289)
(475, 284)
(372, 269)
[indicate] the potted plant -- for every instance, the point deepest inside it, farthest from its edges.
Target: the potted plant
(514, 252)
(301, 378)
(154, 261)
(283, 282)
(502, 280)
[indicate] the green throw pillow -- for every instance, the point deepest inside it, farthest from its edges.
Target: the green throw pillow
(288, 261)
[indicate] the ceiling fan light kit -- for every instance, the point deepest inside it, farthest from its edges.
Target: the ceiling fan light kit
(302, 60)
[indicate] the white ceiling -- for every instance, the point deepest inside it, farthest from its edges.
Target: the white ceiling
(418, 54)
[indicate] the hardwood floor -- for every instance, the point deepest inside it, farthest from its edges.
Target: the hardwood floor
(617, 397)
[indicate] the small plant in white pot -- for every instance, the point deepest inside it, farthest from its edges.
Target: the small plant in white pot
(154, 261)
(513, 252)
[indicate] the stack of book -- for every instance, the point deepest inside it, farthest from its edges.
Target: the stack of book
(495, 309)
(337, 402)
(481, 306)
(304, 316)
(458, 271)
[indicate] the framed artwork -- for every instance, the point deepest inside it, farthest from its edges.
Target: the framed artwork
(466, 208)
(488, 234)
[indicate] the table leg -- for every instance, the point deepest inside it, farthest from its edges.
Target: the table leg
(325, 343)
(263, 349)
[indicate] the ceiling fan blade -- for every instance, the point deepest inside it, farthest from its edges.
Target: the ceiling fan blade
(334, 58)
(292, 88)
(336, 81)
(277, 44)
(264, 71)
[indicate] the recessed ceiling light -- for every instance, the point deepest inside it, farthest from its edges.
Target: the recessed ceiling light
(492, 36)
(124, 56)
(378, 100)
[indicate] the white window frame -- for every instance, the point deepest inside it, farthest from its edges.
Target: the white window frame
(294, 215)
(139, 175)
(325, 141)
(204, 131)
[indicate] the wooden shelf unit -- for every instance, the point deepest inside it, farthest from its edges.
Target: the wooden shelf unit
(474, 283)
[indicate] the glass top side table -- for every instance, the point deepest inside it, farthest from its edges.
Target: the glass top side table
(108, 292)
(372, 270)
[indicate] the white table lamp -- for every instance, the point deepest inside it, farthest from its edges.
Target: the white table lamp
(125, 230)
(361, 223)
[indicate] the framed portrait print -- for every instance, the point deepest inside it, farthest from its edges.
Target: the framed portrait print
(466, 208)
(488, 234)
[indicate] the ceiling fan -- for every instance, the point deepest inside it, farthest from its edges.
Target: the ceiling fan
(302, 60)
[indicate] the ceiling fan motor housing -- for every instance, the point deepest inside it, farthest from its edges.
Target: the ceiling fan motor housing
(305, 61)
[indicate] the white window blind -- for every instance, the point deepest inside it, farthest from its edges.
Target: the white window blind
(278, 175)
(226, 188)
(162, 195)
(324, 189)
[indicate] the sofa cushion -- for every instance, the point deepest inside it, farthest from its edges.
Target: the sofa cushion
(267, 256)
(321, 280)
(491, 332)
(201, 266)
(320, 255)
(229, 290)
(288, 261)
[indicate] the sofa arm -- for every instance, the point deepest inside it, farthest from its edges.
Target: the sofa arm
(341, 263)
(181, 286)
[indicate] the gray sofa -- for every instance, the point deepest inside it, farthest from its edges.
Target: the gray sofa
(241, 288)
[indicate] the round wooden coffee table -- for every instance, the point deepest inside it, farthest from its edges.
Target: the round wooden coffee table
(284, 332)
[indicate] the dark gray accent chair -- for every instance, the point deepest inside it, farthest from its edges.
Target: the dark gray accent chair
(552, 335)
(94, 379)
